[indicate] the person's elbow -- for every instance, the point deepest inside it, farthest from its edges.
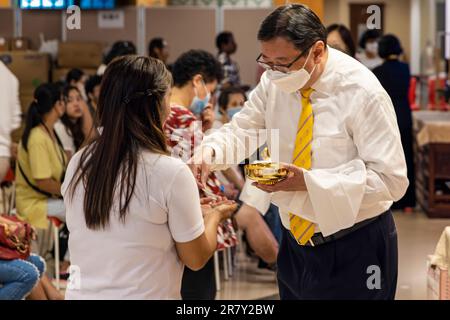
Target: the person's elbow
(398, 186)
(196, 264)
(196, 253)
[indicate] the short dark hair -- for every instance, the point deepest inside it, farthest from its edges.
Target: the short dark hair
(296, 23)
(74, 74)
(91, 83)
(119, 49)
(370, 34)
(223, 38)
(224, 97)
(196, 62)
(346, 36)
(389, 45)
(159, 43)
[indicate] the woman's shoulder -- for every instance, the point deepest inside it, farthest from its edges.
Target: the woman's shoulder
(37, 134)
(162, 163)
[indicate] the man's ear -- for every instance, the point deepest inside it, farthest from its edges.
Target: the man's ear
(197, 80)
(319, 51)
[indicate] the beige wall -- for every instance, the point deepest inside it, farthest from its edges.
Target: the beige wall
(183, 28)
(245, 24)
(396, 20)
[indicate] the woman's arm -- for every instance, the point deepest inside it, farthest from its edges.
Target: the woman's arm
(49, 185)
(196, 253)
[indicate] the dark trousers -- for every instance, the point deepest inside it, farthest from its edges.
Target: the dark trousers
(199, 285)
(361, 265)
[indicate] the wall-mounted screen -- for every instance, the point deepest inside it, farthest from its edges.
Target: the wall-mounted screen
(63, 4)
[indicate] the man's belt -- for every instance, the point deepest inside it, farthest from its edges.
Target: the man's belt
(318, 238)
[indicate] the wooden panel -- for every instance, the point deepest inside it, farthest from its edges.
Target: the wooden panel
(184, 28)
(315, 5)
(6, 23)
(244, 23)
(91, 32)
(47, 22)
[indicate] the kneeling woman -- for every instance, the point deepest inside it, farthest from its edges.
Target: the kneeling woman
(133, 211)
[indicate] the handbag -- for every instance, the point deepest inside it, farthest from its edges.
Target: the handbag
(15, 243)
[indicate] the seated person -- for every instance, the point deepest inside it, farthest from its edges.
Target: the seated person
(76, 124)
(231, 101)
(20, 279)
(77, 78)
(92, 88)
(41, 160)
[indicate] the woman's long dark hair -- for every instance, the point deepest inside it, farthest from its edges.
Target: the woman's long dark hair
(45, 98)
(131, 112)
(75, 128)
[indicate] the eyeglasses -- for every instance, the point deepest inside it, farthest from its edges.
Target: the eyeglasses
(281, 67)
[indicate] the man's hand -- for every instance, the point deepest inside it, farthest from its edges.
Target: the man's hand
(200, 165)
(294, 182)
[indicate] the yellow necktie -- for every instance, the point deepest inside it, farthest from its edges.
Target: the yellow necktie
(302, 229)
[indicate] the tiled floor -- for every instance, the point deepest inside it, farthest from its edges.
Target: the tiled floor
(417, 236)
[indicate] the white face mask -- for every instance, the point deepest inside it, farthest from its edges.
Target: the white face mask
(372, 47)
(292, 81)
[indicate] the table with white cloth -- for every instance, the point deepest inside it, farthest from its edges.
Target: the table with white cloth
(432, 161)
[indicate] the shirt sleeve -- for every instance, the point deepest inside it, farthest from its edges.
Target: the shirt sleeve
(184, 213)
(378, 175)
(39, 159)
(240, 138)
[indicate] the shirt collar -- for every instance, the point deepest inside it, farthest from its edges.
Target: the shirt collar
(325, 82)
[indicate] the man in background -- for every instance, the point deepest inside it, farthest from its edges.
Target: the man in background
(10, 115)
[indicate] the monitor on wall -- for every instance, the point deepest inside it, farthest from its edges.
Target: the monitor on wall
(44, 4)
(63, 4)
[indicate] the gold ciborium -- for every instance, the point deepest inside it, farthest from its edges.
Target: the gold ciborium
(264, 172)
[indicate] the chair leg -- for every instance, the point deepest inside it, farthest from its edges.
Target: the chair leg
(216, 270)
(56, 243)
(225, 264)
(230, 261)
(12, 199)
(4, 200)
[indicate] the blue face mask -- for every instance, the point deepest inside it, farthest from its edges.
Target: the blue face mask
(232, 111)
(198, 105)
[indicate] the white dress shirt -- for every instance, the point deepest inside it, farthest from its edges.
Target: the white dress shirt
(9, 108)
(358, 165)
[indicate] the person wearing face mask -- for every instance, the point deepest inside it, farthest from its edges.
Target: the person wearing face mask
(41, 162)
(231, 100)
(196, 74)
(369, 43)
(339, 140)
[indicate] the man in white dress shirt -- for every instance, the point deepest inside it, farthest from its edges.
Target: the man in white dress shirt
(357, 166)
(9, 115)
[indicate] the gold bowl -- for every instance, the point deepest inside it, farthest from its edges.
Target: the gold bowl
(267, 173)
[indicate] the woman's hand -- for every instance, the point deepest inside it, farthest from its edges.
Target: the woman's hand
(226, 209)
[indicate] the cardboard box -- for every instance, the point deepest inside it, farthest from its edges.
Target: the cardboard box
(59, 74)
(4, 44)
(30, 67)
(20, 44)
(438, 283)
(80, 54)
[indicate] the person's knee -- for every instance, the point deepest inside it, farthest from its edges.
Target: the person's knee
(28, 276)
(38, 262)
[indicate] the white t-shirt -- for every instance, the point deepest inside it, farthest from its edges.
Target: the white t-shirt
(137, 259)
(65, 137)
